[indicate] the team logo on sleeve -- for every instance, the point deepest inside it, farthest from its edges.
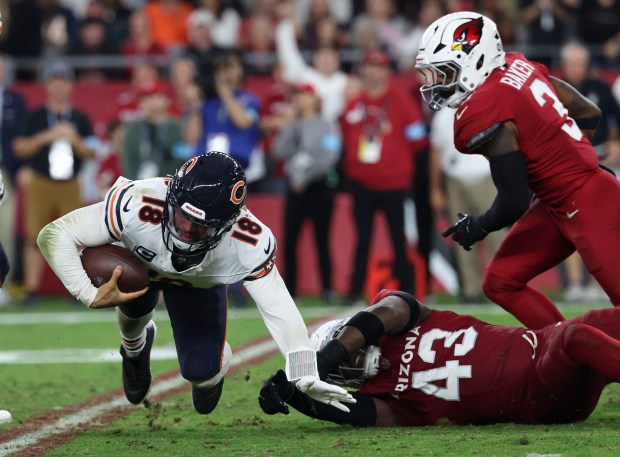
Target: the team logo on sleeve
(467, 35)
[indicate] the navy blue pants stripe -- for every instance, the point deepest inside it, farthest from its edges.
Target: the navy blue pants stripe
(198, 320)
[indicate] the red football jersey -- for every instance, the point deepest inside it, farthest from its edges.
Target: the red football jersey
(558, 157)
(455, 367)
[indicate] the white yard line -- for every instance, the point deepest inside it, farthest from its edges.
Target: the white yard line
(84, 317)
(89, 316)
(66, 423)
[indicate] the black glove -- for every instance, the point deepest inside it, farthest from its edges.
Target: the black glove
(274, 390)
(466, 231)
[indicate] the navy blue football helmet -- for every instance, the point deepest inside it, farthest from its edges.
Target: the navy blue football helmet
(203, 202)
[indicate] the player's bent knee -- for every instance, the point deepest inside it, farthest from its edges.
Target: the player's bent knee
(578, 336)
(496, 285)
(205, 374)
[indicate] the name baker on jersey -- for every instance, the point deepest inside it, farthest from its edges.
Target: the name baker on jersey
(517, 74)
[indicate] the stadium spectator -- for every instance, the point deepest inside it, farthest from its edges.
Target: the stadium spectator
(53, 142)
(577, 72)
(550, 376)
(21, 19)
(310, 11)
(59, 27)
(13, 113)
(311, 146)
(109, 169)
(226, 22)
(318, 27)
(259, 44)
(201, 49)
(382, 129)
(183, 83)
(460, 183)
(140, 41)
(499, 12)
(168, 19)
(92, 43)
(534, 129)
(598, 25)
(544, 21)
(365, 37)
(126, 104)
(114, 14)
(197, 258)
(153, 145)
(325, 75)
(276, 111)
(227, 121)
(390, 26)
(407, 48)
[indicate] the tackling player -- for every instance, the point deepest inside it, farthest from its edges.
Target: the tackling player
(533, 128)
(195, 235)
(415, 366)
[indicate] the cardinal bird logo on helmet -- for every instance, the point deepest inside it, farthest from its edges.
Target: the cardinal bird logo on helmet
(467, 35)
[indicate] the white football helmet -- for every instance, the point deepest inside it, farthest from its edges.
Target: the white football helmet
(363, 364)
(457, 54)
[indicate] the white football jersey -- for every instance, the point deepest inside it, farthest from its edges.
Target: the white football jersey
(133, 217)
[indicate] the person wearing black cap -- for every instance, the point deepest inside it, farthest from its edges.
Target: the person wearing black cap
(53, 143)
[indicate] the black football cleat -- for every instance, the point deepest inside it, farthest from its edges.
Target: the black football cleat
(205, 400)
(137, 370)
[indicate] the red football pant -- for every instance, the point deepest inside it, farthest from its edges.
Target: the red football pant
(589, 221)
(578, 357)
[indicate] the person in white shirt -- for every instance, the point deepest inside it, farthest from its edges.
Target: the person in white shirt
(325, 75)
(195, 235)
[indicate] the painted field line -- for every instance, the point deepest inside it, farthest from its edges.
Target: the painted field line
(91, 316)
(163, 386)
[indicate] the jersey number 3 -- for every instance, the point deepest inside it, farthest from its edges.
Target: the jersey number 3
(542, 93)
(452, 372)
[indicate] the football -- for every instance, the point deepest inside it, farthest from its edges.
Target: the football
(100, 261)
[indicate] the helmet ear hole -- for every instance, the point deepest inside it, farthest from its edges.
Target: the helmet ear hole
(480, 62)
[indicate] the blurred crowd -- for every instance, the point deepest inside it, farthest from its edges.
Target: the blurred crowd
(172, 28)
(334, 117)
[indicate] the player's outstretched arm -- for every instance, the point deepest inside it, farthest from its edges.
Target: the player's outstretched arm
(277, 392)
(289, 331)
(585, 112)
(509, 172)
(396, 313)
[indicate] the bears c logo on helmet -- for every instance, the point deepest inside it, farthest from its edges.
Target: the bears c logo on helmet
(467, 35)
(234, 195)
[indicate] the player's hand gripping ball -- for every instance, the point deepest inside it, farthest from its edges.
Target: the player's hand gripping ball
(99, 263)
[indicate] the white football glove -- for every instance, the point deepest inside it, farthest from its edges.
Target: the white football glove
(325, 393)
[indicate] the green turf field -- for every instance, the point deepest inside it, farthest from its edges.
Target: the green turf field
(238, 427)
